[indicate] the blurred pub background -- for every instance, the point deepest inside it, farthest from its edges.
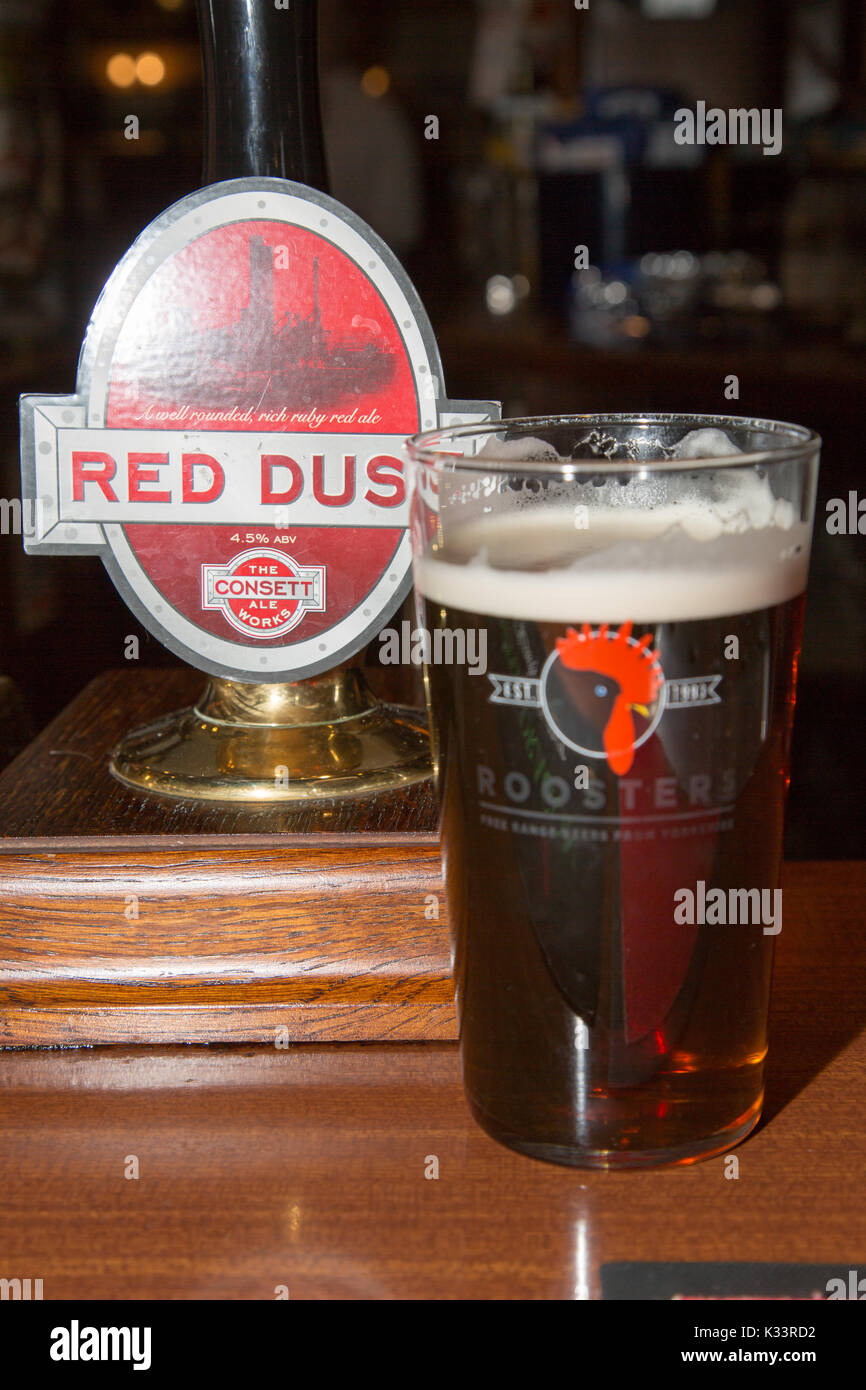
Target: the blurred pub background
(487, 141)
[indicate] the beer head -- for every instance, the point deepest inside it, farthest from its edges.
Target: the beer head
(640, 518)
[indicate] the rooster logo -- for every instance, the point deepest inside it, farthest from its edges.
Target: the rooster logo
(593, 686)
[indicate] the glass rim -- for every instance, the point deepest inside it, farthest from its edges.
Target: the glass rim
(421, 448)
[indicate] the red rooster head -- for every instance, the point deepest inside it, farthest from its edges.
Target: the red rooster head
(634, 668)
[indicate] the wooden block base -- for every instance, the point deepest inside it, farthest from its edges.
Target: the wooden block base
(126, 919)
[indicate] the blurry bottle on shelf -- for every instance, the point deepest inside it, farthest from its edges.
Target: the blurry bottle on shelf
(615, 181)
(522, 73)
(33, 302)
(675, 299)
(32, 296)
(824, 232)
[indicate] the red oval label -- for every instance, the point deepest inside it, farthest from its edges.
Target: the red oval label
(248, 379)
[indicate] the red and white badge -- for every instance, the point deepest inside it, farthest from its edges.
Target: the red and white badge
(263, 593)
(234, 447)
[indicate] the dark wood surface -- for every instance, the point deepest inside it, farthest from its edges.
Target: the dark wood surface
(143, 920)
(305, 1167)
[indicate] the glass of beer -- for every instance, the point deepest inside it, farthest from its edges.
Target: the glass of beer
(612, 609)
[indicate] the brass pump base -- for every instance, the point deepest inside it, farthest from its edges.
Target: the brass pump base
(292, 742)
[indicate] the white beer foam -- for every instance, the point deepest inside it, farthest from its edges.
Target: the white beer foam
(707, 443)
(711, 503)
(681, 561)
(524, 450)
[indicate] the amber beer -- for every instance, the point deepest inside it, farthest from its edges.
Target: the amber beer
(613, 785)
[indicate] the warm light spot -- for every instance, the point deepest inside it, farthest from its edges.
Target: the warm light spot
(120, 70)
(376, 81)
(149, 69)
(170, 4)
(500, 295)
(636, 326)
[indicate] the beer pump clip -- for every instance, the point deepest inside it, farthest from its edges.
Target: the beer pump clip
(233, 452)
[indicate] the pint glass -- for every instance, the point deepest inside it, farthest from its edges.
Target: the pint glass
(611, 611)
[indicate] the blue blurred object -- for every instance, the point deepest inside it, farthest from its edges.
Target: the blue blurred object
(626, 121)
(616, 182)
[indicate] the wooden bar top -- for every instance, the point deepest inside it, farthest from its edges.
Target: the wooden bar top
(305, 1168)
(127, 918)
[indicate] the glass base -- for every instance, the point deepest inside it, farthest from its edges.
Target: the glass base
(572, 1156)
